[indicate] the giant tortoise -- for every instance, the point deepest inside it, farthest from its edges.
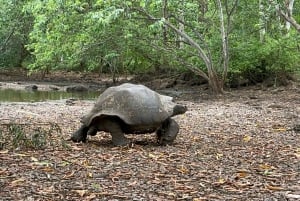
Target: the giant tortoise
(134, 109)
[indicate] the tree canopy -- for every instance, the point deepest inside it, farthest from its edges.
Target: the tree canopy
(218, 40)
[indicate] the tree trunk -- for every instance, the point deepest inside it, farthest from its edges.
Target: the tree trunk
(287, 18)
(215, 84)
(181, 28)
(224, 36)
(289, 13)
(164, 62)
(262, 30)
(165, 16)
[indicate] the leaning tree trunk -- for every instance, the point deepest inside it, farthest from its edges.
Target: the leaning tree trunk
(214, 81)
(224, 35)
(285, 16)
(289, 13)
(164, 35)
(262, 28)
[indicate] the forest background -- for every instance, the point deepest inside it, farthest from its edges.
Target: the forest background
(224, 42)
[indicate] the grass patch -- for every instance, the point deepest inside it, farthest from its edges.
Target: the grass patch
(15, 136)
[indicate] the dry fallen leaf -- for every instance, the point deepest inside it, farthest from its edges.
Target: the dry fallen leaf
(90, 174)
(241, 174)
(247, 138)
(3, 171)
(220, 181)
(90, 197)
(48, 169)
(274, 188)
(17, 182)
(81, 192)
(183, 169)
(34, 159)
(219, 155)
(297, 154)
(280, 129)
(4, 152)
(49, 189)
(293, 196)
(155, 157)
(200, 199)
(266, 167)
(69, 175)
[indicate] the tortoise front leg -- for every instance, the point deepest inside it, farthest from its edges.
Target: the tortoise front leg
(92, 131)
(168, 131)
(80, 135)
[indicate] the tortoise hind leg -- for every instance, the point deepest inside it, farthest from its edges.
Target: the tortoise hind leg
(80, 135)
(113, 126)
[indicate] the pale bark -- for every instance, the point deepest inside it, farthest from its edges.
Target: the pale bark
(165, 15)
(262, 30)
(286, 17)
(224, 41)
(214, 82)
(181, 27)
(165, 31)
(290, 19)
(289, 12)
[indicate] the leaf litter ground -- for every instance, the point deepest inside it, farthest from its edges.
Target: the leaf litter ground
(243, 146)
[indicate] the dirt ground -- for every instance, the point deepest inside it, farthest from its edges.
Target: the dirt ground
(244, 145)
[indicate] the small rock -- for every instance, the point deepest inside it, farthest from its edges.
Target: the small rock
(70, 101)
(32, 87)
(54, 88)
(76, 88)
(253, 97)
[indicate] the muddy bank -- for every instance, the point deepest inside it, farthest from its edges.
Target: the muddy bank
(93, 81)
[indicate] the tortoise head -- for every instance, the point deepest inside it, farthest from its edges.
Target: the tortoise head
(179, 109)
(168, 132)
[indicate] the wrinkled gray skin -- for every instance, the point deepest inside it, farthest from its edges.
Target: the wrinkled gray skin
(134, 109)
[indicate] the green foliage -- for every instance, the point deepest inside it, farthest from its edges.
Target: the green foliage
(14, 29)
(22, 136)
(115, 37)
(20, 140)
(81, 35)
(258, 61)
(255, 60)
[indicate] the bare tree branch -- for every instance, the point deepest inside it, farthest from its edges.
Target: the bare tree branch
(201, 52)
(290, 19)
(196, 33)
(3, 46)
(194, 69)
(224, 36)
(211, 75)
